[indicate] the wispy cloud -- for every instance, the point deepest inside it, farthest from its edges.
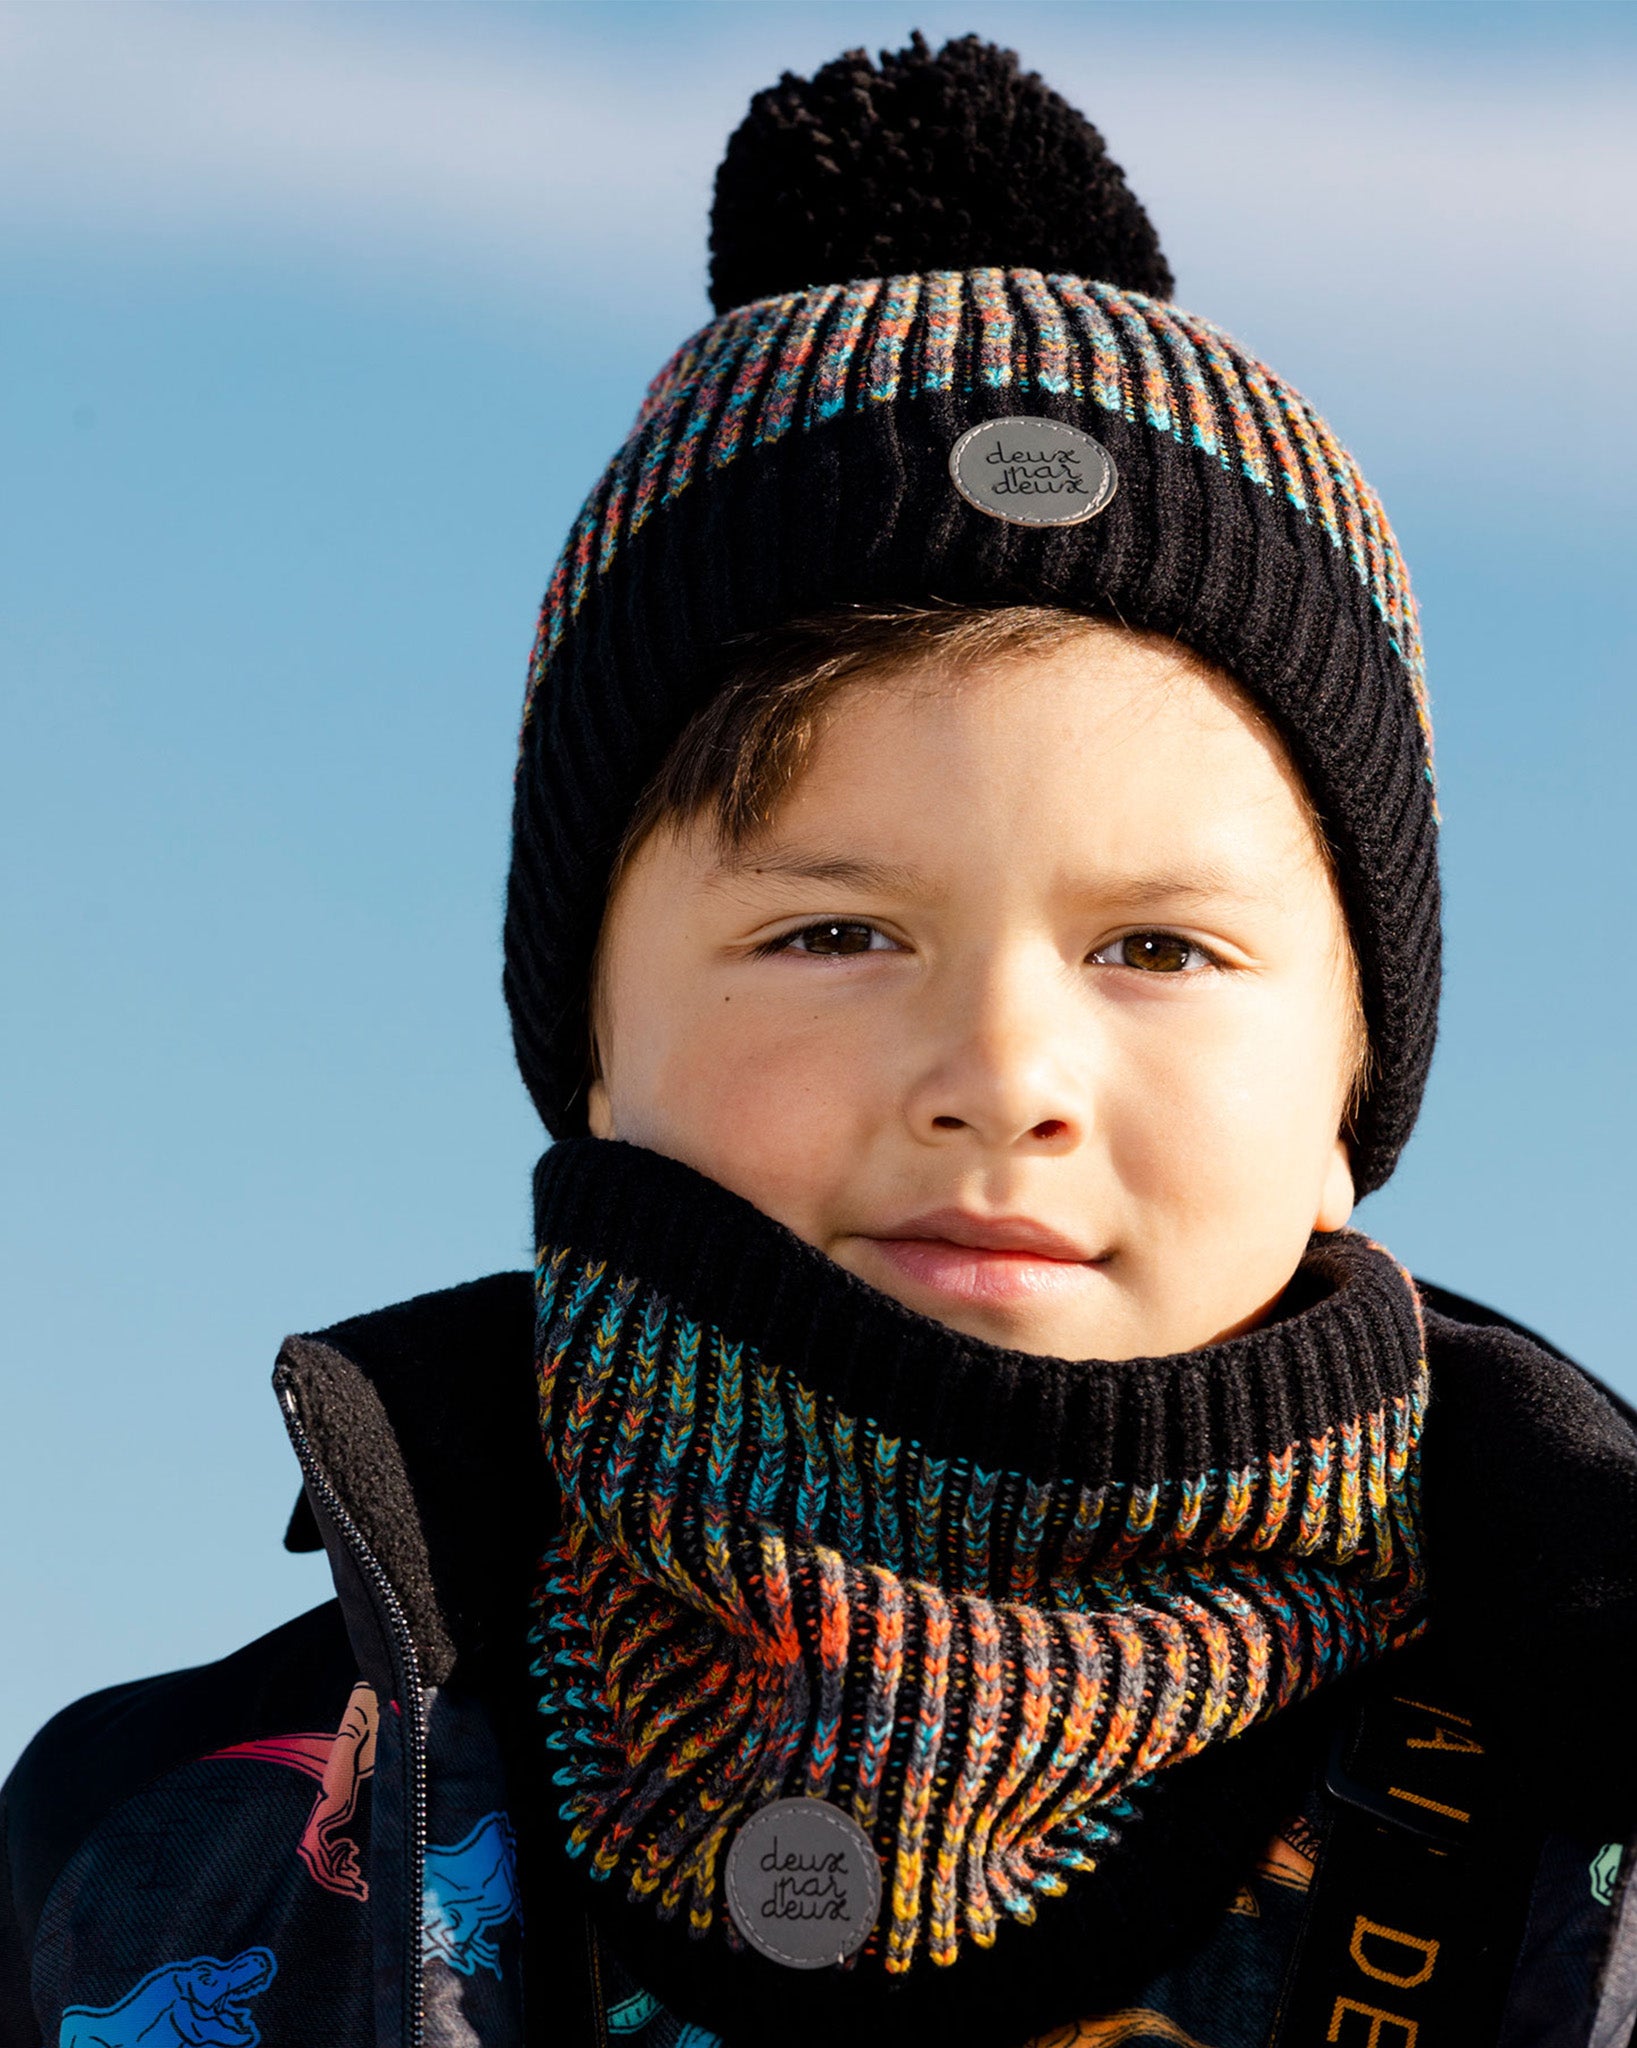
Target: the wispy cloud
(348, 134)
(1343, 195)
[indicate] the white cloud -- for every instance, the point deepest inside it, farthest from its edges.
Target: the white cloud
(1330, 197)
(339, 132)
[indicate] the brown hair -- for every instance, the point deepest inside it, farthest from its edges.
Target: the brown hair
(743, 751)
(740, 755)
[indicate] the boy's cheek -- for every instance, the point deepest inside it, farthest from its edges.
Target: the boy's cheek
(781, 1118)
(1204, 1131)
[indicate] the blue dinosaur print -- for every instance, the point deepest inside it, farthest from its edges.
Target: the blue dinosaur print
(632, 2014)
(636, 2016)
(467, 1890)
(197, 2004)
(639, 2017)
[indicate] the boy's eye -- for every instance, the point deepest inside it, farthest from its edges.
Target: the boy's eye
(835, 936)
(1154, 953)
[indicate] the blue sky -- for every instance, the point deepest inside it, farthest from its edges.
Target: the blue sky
(319, 323)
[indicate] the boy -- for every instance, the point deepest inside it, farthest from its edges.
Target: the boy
(961, 1542)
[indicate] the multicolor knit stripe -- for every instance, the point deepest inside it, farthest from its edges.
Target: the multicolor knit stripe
(727, 1619)
(798, 362)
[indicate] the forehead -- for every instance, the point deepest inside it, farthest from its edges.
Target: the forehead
(1110, 748)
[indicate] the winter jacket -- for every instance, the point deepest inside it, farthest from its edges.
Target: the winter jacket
(325, 1840)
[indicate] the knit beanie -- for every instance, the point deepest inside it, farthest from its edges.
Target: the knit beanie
(946, 367)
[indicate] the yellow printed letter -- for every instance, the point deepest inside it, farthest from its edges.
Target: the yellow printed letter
(1377, 2018)
(1426, 1950)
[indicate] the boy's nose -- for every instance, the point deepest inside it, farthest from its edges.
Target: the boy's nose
(1051, 1132)
(1003, 1074)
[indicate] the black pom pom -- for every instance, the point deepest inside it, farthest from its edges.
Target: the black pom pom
(928, 162)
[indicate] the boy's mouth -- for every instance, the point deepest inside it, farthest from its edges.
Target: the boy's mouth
(993, 1259)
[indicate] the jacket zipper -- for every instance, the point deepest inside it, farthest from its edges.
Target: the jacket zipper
(411, 1717)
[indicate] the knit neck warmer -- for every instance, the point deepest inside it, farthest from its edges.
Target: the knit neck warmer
(816, 1546)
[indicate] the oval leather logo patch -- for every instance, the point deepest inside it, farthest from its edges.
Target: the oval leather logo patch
(1033, 472)
(803, 1883)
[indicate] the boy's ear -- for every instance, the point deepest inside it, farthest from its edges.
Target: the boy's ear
(599, 1115)
(1337, 1195)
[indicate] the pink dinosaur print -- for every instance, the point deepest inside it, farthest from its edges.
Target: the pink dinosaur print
(340, 1762)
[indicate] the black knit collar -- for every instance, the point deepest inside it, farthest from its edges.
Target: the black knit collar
(938, 1474)
(1347, 1339)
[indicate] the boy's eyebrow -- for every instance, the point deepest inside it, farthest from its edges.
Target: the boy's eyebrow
(838, 870)
(1204, 881)
(1207, 882)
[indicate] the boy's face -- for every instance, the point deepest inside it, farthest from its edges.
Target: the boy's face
(1031, 1007)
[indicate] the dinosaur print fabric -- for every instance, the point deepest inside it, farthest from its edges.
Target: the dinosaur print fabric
(202, 2003)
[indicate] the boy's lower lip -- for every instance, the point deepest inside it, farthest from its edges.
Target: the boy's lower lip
(972, 1273)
